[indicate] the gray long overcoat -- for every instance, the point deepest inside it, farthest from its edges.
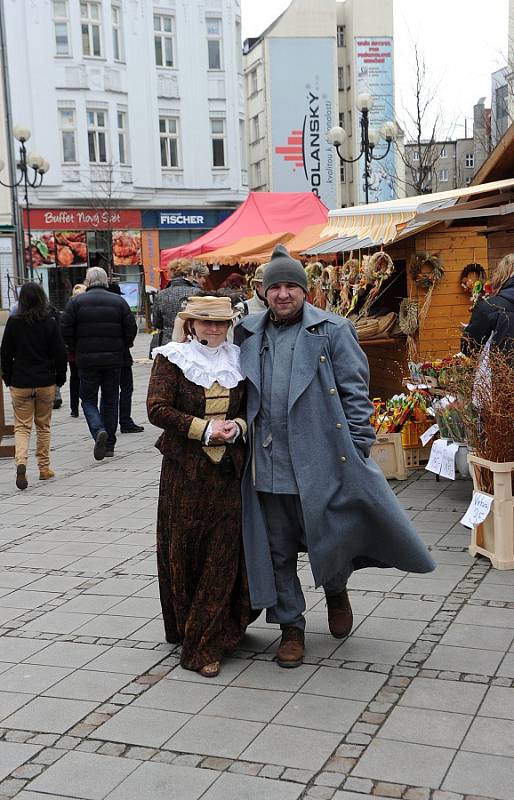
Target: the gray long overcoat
(350, 512)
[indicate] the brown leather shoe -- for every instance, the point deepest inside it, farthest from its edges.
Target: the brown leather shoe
(340, 616)
(291, 647)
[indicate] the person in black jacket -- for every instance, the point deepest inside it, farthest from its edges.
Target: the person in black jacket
(494, 314)
(127, 424)
(33, 362)
(99, 326)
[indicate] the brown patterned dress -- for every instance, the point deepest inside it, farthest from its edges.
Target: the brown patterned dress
(202, 577)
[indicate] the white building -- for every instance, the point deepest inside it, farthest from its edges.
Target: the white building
(343, 48)
(136, 99)
(7, 222)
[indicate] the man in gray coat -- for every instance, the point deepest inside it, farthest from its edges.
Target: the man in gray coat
(309, 483)
(169, 301)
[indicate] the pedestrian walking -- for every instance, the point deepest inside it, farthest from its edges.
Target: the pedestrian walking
(493, 316)
(308, 482)
(189, 280)
(33, 363)
(79, 288)
(97, 326)
(127, 424)
(195, 395)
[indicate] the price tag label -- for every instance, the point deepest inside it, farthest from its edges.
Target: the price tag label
(478, 509)
(436, 456)
(428, 434)
(448, 461)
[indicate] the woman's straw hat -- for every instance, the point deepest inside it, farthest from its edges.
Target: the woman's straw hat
(208, 308)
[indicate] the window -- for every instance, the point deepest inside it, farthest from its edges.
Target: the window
(444, 152)
(218, 142)
(349, 129)
(341, 35)
(501, 101)
(168, 132)
(470, 160)
(348, 76)
(90, 27)
(61, 30)
(214, 42)
(164, 27)
(256, 134)
(68, 135)
(258, 173)
(443, 175)
(415, 155)
(121, 118)
(117, 36)
(341, 119)
(97, 136)
(340, 78)
(342, 173)
(253, 82)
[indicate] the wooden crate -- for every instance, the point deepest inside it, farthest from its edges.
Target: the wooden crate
(494, 538)
(387, 452)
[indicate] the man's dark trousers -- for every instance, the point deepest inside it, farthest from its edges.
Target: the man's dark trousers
(126, 390)
(107, 381)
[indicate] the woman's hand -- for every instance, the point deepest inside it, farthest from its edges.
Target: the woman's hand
(223, 430)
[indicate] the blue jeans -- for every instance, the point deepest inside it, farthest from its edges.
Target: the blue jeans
(106, 418)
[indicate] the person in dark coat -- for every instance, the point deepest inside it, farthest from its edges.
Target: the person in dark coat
(127, 424)
(170, 300)
(33, 363)
(493, 316)
(309, 483)
(195, 395)
(98, 326)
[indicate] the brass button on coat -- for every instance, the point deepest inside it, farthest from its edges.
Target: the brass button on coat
(338, 426)
(343, 459)
(322, 359)
(331, 391)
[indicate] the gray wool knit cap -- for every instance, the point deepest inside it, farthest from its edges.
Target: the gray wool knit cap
(283, 269)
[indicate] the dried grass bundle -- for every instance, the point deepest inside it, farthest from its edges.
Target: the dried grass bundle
(486, 389)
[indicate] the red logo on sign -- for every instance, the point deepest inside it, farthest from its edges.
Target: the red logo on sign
(294, 150)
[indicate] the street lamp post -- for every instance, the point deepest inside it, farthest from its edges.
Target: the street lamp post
(369, 139)
(28, 161)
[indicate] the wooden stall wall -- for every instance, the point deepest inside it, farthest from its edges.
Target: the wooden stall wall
(440, 334)
(499, 244)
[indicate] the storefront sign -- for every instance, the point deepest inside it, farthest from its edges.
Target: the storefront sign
(84, 219)
(374, 74)
(185, 218)
(303, 111)
(150, 249)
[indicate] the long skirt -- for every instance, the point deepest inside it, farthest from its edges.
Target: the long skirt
(202, 577)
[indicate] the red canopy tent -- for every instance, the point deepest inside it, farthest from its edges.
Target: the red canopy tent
(262, 212)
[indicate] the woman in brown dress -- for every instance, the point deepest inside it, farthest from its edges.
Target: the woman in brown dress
(195, 394)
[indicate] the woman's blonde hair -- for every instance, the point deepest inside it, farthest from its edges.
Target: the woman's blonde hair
(79, 288)
(503, 272)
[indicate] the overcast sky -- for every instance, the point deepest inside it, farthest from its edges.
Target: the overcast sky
(463, 41)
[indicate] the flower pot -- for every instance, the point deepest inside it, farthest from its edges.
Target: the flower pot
(494, 538)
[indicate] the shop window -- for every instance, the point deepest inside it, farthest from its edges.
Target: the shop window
(214, 42)
(164, 41)
(90, 21)
(68, 129)
(97, 136)
(61, 28)
(218, 142)
(169, 140)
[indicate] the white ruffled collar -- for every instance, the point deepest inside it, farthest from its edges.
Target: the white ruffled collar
(204, 365)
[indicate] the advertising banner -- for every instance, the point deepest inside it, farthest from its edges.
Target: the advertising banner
(43, 249)
(81, 219)
(151, 261)
(126, 248)
(374, 71)
(302, 85)
(71, 247)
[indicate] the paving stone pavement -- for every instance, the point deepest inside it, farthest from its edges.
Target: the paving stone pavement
(417, 703)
